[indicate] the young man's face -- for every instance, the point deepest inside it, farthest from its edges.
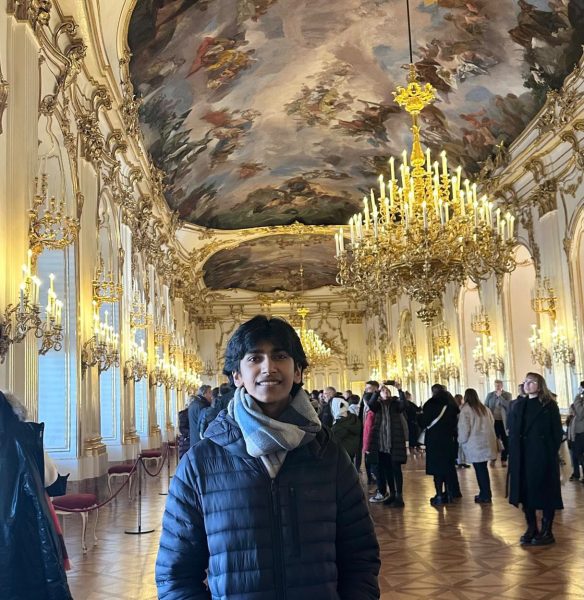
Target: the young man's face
(267, 373)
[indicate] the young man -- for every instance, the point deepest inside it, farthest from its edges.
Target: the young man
(267, 505)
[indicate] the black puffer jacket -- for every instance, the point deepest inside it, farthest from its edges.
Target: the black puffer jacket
(397, 423)
(305, 534)
(31, 564)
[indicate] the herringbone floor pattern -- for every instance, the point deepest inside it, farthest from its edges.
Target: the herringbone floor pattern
(462, 551)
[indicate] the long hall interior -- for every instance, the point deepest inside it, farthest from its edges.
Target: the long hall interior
(401, 181)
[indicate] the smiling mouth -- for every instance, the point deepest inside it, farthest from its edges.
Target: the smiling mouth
(269, 383)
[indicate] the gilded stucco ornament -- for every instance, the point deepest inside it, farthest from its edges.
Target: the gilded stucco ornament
(545, 197)
(130, 106)
(536, 167)
(559, 109)
(4, 89)
(115, 143)
(571, 138)
(93, 143)
(36, 12)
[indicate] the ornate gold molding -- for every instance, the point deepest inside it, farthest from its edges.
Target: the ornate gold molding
(545, 197)
(206, 322)
(559, 109)
(93, 446)
(4, 89)
(130, 105)
(354, 317)
(36, 12)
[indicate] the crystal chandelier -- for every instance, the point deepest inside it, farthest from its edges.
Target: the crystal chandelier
(539, 353)
(544, 299)
(317, 353)
(425, 231)
(443, 364)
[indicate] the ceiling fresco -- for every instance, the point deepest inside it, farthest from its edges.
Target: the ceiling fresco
(266, 112)
(272, 263)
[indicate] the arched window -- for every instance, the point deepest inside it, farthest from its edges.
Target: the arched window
(57, 373)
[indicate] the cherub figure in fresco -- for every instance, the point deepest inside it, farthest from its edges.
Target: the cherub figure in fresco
(483, 127)
(318, 105)
(221, 59)
(228, 131)
(370, 120)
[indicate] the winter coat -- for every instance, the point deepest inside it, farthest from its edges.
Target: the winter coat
(31, 563)
(195, 408)
(184, 439)
(476, 435)
(441, 443)
(371, 430)
(305, 534)
(534, 443)
(398, 427)
(326, 414)
(504, 401)
(210, 413)
(578, 411)
(347, 432)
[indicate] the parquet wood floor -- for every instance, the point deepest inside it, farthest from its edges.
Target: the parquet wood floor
(462, 551)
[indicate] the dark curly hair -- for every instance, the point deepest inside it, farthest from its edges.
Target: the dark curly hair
(262, 329)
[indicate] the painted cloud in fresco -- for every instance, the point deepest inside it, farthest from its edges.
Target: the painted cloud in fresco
(266, 112)
(272, 263)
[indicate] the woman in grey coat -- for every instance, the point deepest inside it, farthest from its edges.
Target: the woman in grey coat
(476, 436)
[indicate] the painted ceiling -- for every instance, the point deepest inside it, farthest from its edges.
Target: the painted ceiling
(267, 112)
(273, 263)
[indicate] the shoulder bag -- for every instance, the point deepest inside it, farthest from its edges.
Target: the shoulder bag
(422, 436)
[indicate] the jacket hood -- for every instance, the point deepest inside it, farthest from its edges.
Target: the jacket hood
(225, 432)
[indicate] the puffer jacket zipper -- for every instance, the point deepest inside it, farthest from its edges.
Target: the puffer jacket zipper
(279, 566)
(294, 529)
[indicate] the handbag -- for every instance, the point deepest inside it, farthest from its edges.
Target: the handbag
(422, 436)
(59, 486)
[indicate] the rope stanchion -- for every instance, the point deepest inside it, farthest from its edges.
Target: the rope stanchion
(107, 501)
(139, 530)
(164, 457)
(139, 462)
(167, 470)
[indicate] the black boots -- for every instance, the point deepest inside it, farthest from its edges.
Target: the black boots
(396, 501)
(532, 535)
(531, 532)
(546, 536)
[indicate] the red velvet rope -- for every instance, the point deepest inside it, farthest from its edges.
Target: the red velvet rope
(108, 500)
(164, 457)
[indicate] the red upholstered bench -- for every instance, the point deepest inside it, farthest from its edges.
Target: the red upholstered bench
(123, 470)
(78, 501)
(155, 455)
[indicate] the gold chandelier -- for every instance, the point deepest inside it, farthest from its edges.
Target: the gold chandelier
(317, 352)
(429, 229)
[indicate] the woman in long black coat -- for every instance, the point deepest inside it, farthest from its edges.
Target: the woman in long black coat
(535, 435)
(441, 444)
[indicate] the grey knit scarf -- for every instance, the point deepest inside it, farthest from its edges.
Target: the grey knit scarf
(271, 439)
